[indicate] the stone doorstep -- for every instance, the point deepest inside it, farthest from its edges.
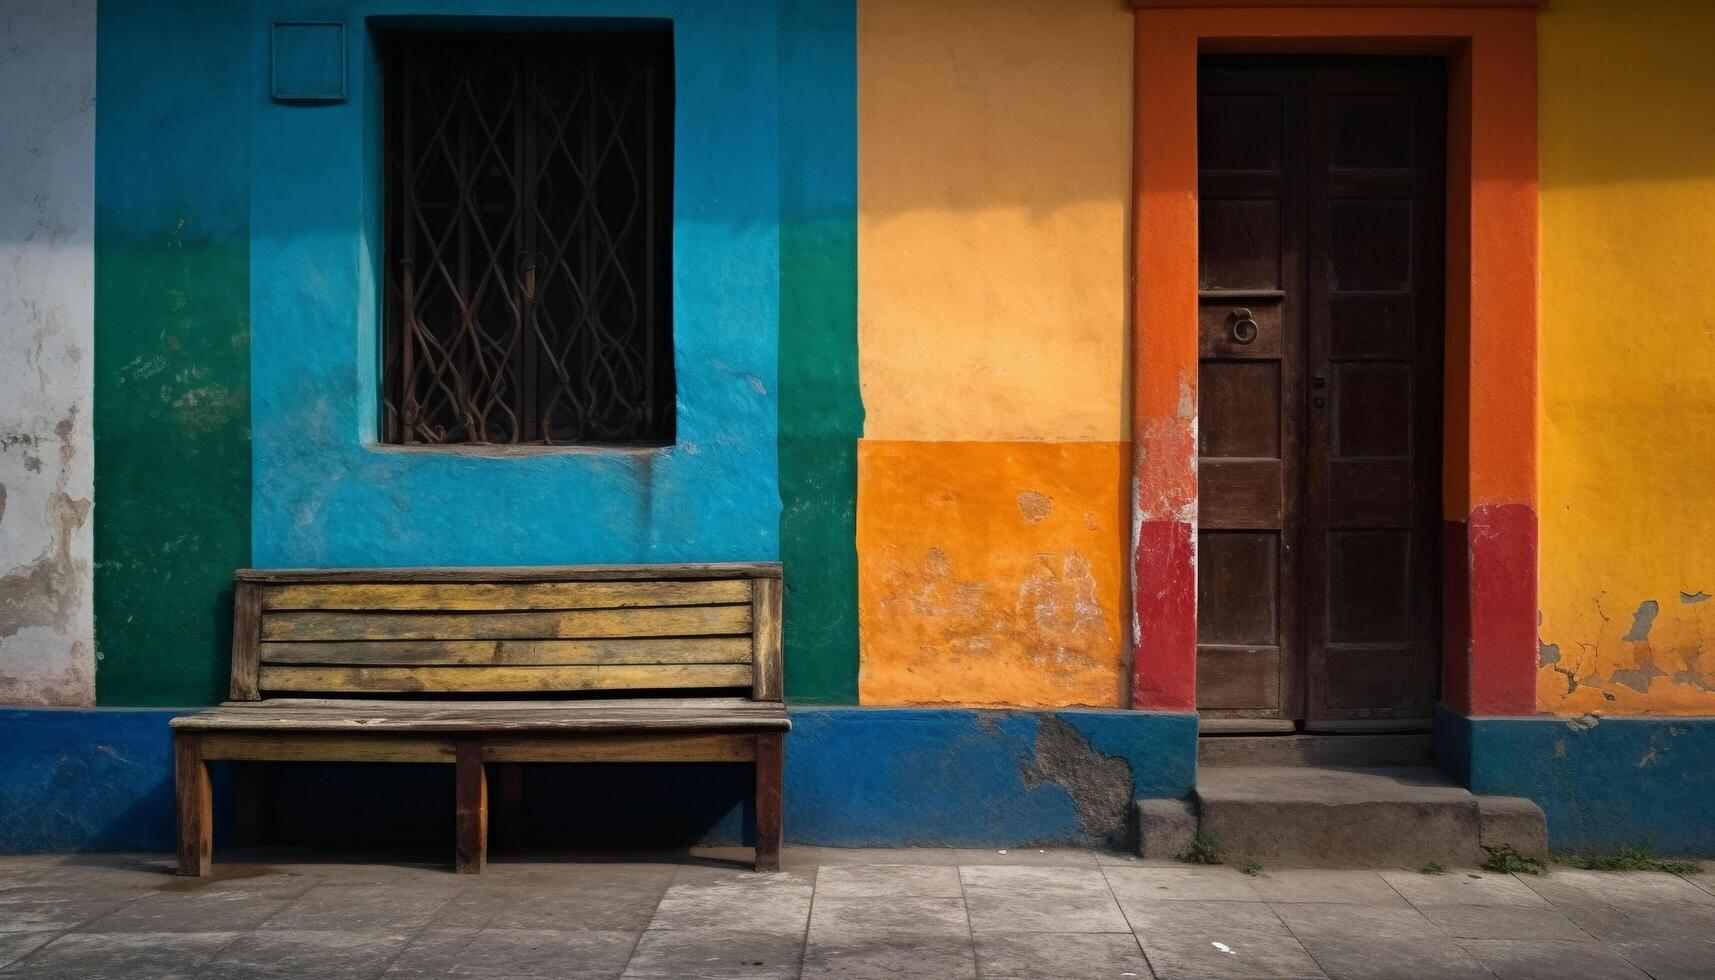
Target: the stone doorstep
(1301, 749)
(1319, 816)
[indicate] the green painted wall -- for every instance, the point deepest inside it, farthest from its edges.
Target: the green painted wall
(821, 409)
(172, 345)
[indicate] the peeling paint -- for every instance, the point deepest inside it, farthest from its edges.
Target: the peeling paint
(1547, 653)
(46, 320)
(1692, 598)
(1035, 506)
(1653, 667)
(46, 591)
(1639, 679)
(1642, 620)
(1100, 785)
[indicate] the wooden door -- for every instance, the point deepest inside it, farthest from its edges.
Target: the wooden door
(1320, 253)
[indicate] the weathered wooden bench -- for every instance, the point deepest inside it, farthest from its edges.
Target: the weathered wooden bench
(491, 668)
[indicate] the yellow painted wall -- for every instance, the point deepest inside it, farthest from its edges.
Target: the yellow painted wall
(994, 176)
(994, 173)
(1628, 357)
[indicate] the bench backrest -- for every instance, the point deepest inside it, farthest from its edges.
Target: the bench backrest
(507, 631)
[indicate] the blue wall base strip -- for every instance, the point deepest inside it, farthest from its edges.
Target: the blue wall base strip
(79, 780)
(1603, 782)
(101, 779)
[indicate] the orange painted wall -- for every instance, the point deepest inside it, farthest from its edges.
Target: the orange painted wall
(992, 573)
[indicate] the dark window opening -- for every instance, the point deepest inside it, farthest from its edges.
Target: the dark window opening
(528, 239)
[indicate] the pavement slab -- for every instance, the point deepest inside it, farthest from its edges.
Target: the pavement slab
(1326, 886)
(892, 937)
(121, 956)
(1347, 957)
(1181, 884)
(1463, 888)
(1337, 920)
(1502, 922)
(1028, 898)
(328, 954)
(717, 954)
(888, 881)
(1060, 955)
(1218, 939)
(1516, 959)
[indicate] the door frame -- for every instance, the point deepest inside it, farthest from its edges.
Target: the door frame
(1489, 485)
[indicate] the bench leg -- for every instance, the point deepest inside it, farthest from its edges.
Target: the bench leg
(471, 809)
(195, 797)
(507, 782)
(770, 776)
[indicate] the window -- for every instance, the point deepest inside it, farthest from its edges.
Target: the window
(528, 239)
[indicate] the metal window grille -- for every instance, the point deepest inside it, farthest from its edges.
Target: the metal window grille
(529, 231)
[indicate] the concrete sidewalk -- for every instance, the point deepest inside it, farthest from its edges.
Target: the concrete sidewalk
(836, 913)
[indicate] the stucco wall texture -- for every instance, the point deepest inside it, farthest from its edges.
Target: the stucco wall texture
(47, 227)
(1628, 354)
(994, 163)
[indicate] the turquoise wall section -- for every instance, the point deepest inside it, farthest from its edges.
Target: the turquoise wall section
(326, 496)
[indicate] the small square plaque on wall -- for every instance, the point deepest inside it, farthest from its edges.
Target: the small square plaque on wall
(309, 61)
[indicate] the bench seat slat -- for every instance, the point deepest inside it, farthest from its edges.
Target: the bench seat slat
(268, 746)
(514, 653)
(437, 680)
(501, 596)
(615, 716)
(579, 624)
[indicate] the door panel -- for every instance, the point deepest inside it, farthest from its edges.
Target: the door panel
(1250, 340)
(1320, 217)
(1374, 297)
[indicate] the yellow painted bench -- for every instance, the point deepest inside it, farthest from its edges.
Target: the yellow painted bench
(488, 668)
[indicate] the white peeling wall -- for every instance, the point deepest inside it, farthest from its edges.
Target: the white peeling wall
(47, 320)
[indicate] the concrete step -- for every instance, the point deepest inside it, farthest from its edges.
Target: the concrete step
(1356, 750)
(1326, 816)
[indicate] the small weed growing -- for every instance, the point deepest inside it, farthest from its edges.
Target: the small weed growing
(1204, 850)
(1639, 858)
(1432, 868)
(1250, 868)
(1505, 860)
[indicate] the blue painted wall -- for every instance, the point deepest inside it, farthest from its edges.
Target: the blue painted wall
(326, 496)
(1602, 782)
(891, 777)
(75, 779)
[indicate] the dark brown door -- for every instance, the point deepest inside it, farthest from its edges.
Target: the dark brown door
(1320, 219)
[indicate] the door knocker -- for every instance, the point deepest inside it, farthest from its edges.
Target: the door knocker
(1242, 328)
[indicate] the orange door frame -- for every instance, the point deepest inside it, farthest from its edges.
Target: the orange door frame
(1490, 443)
